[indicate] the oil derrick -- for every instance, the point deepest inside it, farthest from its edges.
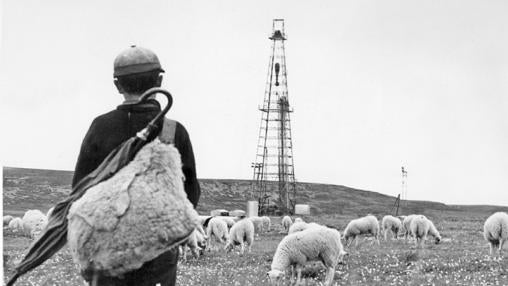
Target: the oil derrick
(274, 178)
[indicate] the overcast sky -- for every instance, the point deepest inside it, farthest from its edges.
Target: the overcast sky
(374, 84)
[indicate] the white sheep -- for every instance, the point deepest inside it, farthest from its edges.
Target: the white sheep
(196, 242)
(7, 219)
(286, 223)
(421, 227)
(217, 231)
(495, 231)
(390, 223)
(241, 233)
(267, 223)
(258, 224)
(229, 220)
(322, 244)
(16, 225)
(298, 219)
(299, 226)
(406, 222)
(361, 226)
(34, 221)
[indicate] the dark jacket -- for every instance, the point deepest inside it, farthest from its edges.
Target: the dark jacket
(113, 128)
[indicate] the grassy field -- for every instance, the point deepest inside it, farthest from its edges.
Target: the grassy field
(461, 259)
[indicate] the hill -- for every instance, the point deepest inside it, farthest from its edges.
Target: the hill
(34, 188)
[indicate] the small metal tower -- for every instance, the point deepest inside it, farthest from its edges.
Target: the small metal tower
(274, 178)
(404, 183)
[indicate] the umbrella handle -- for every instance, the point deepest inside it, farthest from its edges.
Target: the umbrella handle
(143, 134)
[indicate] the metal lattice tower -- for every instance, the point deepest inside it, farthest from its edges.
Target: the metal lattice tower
(404, 184)
(274, 177)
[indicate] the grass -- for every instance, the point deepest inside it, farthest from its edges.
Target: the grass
(461, 259)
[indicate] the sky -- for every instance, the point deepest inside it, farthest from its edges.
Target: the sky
(375, 85)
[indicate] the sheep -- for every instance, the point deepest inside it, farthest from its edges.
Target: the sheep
(495, 231)
(298, 219)
(7, 219)
(286, 223)
(229, 220)
(258, 224)
(34, 221)
(204, 220)
(391, 223)
(361, 226)
(421, 227)
(217, 231)
(241, 233)
(266, 223)
(296, 249)
(299, 226)
(16, 225)
(196, 242)
(406, 222)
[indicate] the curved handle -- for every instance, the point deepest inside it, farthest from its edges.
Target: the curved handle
(143, 134)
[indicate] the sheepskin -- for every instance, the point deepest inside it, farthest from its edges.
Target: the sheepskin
(217, 231)
(495, 231)
(133, 217)
(361, 226)
(267, 223)
(391, 224)
(421, 227)
(7, 219)
(241, 233)
(16, 225)
(406, 223)
(286, 223)
(322, 244)
(299, 226)
(34, 221)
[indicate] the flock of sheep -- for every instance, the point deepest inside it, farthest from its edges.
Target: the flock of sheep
(304, 241)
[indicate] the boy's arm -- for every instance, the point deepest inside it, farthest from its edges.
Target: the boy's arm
(184, 146)
(87, 158)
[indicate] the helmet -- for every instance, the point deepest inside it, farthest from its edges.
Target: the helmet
(135, 60)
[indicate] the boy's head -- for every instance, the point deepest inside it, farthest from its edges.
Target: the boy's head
(136, 70)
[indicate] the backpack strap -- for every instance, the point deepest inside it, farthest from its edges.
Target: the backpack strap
(167, 134)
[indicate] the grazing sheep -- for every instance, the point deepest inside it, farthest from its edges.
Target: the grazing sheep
(196, 243)
(298, 219)
(406, 222)
(421, 227)
(267, 223)
(391, 223)
(217, 231)
(229, 220)
(16, 225)
(258, 224)
(495, 231)
(286, 223)
(34, 221)
(299, 226)
(360, 226)
(322, 244)
(241, 233)
(7, 219)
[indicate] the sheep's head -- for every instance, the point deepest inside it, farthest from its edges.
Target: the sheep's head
(342, 254)
(274, 275)
(228, 247)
